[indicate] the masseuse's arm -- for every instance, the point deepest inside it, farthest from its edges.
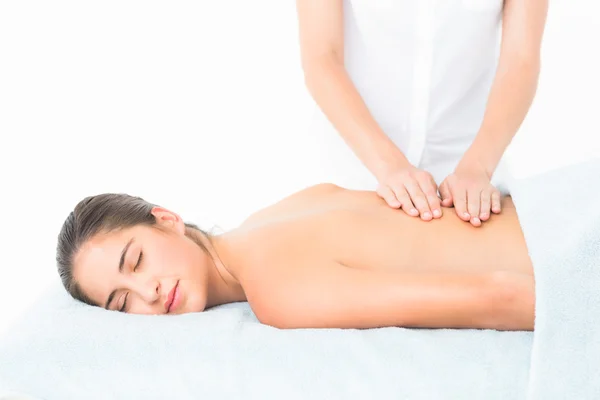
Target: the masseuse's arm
(510, 98)
(321, 31)
(335, 296)
(515, 84)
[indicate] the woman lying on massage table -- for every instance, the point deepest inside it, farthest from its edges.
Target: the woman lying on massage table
(324, 257)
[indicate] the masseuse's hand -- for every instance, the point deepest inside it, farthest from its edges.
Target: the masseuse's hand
(412, 189)
(472, 194)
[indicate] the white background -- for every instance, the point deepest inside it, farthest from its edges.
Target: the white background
(201, 107)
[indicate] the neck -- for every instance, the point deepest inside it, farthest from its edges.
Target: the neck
(222, 287)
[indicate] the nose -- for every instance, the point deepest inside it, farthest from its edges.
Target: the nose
(149, 290)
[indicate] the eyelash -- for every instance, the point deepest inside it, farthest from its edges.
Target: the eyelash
(124, 303)
(123, 308)
(139, 261)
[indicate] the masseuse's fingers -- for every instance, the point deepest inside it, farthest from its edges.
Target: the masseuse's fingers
(486, 204)
(474, 205)
(496, 204)
(459, 194)
(446, 194)
(404, 198)
(418, 198)
(429, 188)
(388, 195)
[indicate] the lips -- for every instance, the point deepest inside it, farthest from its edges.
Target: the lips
(170, 298)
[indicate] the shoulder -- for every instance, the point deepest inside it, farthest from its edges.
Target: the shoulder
(298, 201)
(313, 190)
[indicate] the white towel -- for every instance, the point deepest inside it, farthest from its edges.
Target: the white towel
(560, 215)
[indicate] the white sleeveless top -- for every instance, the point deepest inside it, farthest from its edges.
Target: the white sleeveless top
(424, 68)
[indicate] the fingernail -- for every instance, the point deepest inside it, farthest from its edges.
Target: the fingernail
(437, 213)
(466, 215)
(426, 215)
(484, 215)
(476, 220)
(413, 211)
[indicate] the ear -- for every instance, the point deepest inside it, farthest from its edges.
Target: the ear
(168, 219)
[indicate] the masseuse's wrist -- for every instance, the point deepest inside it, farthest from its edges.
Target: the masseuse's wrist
(389, 164)
(474, 161)
(484, 153)
(379, 154)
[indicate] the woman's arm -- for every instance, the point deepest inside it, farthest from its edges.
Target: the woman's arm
(321, 28)
(335, 296)
(515, 84)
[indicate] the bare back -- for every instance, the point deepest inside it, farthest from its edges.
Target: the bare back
(358, 229)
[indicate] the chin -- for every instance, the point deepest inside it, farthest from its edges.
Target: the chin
(187, 308)
(192, 301)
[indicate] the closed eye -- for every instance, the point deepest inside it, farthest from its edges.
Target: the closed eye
(139, 261)
(124, 306)
(137, 264)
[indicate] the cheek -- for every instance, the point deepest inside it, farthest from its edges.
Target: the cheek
(195, 261)
(181, 257)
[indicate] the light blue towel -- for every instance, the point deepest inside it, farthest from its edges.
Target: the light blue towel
(560, 215)
(63, 350)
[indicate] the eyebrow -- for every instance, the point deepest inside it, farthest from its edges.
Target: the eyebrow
(121, 263)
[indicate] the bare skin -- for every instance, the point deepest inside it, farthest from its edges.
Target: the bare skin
(331, 257)
(328, 257)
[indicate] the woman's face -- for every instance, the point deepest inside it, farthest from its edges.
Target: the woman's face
(145, 270)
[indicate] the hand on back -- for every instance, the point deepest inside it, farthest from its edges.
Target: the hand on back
(411, 189)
